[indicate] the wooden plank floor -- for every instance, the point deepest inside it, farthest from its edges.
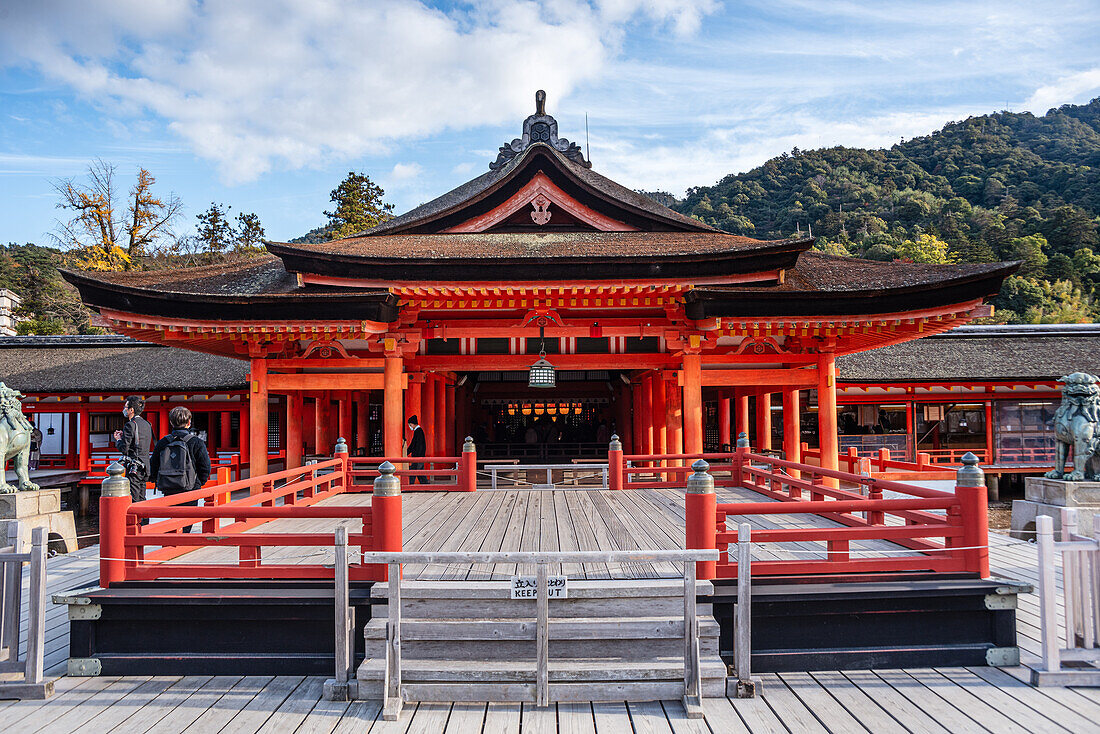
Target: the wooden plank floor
(643, 519)
(919, 700)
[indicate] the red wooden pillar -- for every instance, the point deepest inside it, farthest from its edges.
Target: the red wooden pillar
(84, 442)
(910, 438)
(637, 443)
(988, 432)
(362, 421)
(725, 413)
(295, 410)
(257, 409)
(623, 421)
(164, 425)
(792, 426)
(243, 433)
(72, 450)
(647, 413)
(344, 429)
(764, 421)
(393, 406)
(449, 446)
(438, 437)
(742, 401)
(414, 404)
(320, 422)
(674, 407)
(660, 413)
(224, 430)
(693, 404)
(826, 412)
(427, 410)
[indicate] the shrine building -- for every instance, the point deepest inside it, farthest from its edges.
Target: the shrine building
(637, 316)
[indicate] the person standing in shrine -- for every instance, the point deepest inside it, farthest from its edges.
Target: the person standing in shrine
(418, 446)
(134, 442)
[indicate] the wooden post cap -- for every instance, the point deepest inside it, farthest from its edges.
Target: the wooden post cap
(386, 484)
(700, 482)
(970, 474)
(115, 484)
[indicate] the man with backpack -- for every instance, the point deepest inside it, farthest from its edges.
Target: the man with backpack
(133, 442)
(180, 462)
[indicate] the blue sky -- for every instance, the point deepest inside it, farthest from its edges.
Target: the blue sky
(265, 105)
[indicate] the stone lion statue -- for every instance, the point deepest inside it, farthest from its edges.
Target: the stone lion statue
(1077, 424)
(15, 439)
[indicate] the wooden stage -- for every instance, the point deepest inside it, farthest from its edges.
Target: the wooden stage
(547, 520)
(925, 700)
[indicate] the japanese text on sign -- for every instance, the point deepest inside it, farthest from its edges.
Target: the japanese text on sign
(526, 587)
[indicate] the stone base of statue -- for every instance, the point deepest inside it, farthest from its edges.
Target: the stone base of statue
(1047, 497)
(40, 508)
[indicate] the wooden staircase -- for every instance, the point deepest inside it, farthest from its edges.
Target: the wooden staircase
(610, 640)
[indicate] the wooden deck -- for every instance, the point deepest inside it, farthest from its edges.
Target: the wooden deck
(531, 520)
(920, 700)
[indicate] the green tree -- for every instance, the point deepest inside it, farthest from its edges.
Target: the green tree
(248, 234)
(924, 249)
(215, 232)
(359, 206)
(1030, 250)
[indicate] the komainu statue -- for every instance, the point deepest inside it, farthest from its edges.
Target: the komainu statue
(1077, 424)
(15, 439)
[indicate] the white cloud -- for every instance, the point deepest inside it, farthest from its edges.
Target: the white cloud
(262, 84)
(406, 171)
(721, 151)
(1072, 88)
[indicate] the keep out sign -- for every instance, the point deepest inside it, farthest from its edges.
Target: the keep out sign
(526, 587)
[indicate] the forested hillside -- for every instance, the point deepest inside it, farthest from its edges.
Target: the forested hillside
(1006, 186)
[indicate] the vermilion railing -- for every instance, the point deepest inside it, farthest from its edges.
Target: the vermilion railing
(947, 532)
(132, 551)
(442, 473)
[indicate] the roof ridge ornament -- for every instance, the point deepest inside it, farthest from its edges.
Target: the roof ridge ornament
(539, 128)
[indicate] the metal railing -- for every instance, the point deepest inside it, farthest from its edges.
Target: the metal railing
(1081, 590)
(393, 699)
(31, 665)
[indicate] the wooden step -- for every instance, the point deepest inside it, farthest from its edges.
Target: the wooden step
(573, 628)
(560, 670)
(503, 649)
(578, 589)
(613, 691)
(505, 608)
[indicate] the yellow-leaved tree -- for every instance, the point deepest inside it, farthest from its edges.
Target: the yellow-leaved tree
(104, 233)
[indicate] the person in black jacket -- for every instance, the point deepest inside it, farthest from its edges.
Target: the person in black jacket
(133, 442)
(418, 446)
(179, 418)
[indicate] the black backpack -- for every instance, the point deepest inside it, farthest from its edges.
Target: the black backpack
(177, 468)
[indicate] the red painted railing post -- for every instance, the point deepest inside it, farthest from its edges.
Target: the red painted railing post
(850, 459)
(615, 463)
(701, 517)
(467, 479)
(114, 500)
(971, 492)
(385, 507)
(341, 453)
(883, 459)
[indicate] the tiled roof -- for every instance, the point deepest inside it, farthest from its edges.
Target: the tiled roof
(486, 181)
(536, 245)
(817, 271)
(113, 364)
(980, 353)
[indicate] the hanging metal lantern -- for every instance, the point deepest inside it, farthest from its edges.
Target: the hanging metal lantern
(542, 373)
